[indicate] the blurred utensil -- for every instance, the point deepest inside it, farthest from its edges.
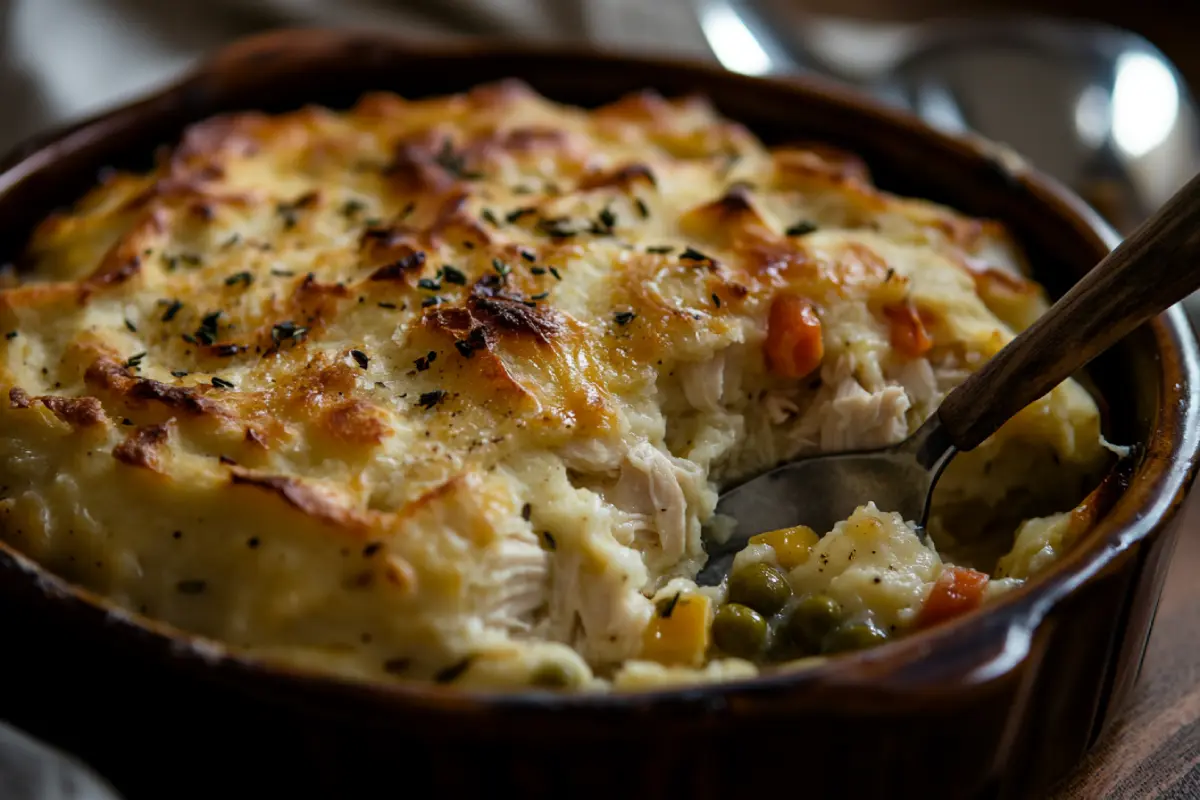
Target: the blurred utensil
(1099, 108)
(31, 770)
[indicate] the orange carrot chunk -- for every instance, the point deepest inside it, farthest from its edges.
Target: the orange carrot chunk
(793, 348)
(956, 591)
(908, 334)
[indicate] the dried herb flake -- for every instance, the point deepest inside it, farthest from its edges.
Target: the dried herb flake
(517, 213)
(283, 331)
(173, 308)
(453, 275)
(453, 672)
(428, 400)
(424, 361)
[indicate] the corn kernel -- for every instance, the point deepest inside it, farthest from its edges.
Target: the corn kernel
(792, 546)
(678, 634)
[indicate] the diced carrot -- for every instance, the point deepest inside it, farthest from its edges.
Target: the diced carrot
(908, 334)
(678, 633)
(794, 347)
(792, 546)
(956, 591)
(991, 281)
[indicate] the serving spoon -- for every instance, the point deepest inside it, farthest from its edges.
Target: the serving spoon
(1156, 267)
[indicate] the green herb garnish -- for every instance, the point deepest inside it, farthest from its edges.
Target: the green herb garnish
(173, 308)
(453, 275)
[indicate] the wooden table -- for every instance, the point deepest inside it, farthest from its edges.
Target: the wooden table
(1154, 750)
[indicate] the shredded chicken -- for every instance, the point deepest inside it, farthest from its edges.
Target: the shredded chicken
(650, 487)
(514, 575)
(858, 419)
(704, 382)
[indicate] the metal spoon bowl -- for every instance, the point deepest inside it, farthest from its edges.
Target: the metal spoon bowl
(1153, 269)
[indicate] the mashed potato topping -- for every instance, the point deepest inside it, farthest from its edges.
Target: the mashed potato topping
(445, 389)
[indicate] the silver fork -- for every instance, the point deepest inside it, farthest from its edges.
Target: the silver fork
(1156, 267)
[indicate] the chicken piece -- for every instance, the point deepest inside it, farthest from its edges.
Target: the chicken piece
(858, 419)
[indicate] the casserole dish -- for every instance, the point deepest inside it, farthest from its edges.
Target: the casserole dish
(1004, 701)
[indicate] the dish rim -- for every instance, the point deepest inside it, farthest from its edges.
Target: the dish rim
(990, 642)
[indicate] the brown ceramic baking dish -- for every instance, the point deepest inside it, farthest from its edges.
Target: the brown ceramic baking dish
(997, 704)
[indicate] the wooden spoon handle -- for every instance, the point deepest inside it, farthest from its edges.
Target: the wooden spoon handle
(1156, 267)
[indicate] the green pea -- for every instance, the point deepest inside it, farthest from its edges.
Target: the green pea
(739, 631)
(761, 587)
(857, 636)
(812, 620)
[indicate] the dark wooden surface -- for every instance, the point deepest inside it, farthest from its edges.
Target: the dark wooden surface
(1154, 749)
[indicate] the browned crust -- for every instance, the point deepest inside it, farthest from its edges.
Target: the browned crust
(409, 261)
(108, 374)
(78, 412)
(124, 259)
(303, 497)
(224, 134)
(356, 422)
(142, 447)
(498, 311)
(625, 177)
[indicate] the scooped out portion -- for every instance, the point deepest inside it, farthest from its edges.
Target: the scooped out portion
(446, 389)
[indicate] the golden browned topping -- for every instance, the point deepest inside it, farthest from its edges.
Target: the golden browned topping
(448, 383)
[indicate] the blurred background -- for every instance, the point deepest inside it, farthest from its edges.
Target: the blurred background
(1106, 110)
